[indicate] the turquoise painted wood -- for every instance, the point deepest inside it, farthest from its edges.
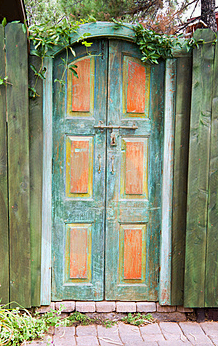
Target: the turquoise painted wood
(79, 199)
(107, 182)
(47, 186)
(133, 210)
(167, 193)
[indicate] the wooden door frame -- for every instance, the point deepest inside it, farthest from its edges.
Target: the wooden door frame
(100, 30)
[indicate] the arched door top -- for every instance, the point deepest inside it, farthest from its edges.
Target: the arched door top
(100, 30)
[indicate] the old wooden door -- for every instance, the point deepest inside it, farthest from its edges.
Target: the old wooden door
(107, 149)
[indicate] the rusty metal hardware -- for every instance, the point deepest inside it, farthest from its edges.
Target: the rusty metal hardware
(113, 139)
(112, 164)
(101, 127)
(99, 163)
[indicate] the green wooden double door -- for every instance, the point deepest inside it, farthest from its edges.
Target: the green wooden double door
(107, 160)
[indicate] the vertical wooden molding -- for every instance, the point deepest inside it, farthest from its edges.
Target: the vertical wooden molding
(167, 187)
(47, 186)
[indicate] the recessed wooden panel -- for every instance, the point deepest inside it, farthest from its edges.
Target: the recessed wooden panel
(79, 166)
(78, 253)
(134, 168)
(136, 87)
(80, 91)
(81, 87)
(132, 253)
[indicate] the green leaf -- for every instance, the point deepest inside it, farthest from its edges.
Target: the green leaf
(74, 72)
(24, 28)
(4, 22)
(87, 44)
(33, 68)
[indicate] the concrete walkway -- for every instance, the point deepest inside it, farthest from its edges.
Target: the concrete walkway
(156, 334)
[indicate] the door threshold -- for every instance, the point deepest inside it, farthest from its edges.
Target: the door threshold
(111, 306)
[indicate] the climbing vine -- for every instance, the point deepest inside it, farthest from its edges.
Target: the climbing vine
(44, 37)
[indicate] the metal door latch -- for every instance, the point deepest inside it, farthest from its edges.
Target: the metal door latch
(101, 127)
(113, 139)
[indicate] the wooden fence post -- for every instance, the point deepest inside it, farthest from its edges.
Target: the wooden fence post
(211, 292)
(183, 103)
(4, 241)
(18, 164)
(198, 172)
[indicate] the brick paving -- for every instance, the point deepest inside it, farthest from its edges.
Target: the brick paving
(156, 334)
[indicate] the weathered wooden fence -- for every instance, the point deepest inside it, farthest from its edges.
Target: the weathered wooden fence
(201, 260)
(194, 274)
(20, 174)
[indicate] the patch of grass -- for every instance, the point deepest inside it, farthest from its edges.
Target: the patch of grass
(138, 319)
(17, 325)
(108, 323)
(78, 318)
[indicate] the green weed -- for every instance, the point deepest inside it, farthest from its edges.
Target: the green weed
(138, 319)
(17, 325)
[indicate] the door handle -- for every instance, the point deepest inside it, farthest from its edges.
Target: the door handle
(99, 163)
(101, 127)
(112, 165)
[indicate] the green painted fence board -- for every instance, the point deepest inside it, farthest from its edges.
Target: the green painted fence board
(36, 147)
(4, 244)
(198, 171)
(211, 293)
(18, 164)
(183, 103)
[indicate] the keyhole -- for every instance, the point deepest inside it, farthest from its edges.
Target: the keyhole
(113, 139)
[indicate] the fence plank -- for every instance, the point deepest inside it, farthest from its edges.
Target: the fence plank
(198, 171)
(18, 164)
(4, 243)
(36, 148)
(183, 103)
(211, 293)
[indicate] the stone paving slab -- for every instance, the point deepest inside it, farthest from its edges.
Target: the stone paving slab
(86, 341)
(156, 334)
(195, 334)
(151, 332)
(64, 336)
(108, 336)
(86, 330)
(210, 328)
(171, 330)
(214, 339)
(174, 343)
(130, 335)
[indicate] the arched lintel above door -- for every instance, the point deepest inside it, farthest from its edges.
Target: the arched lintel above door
(100, 30)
